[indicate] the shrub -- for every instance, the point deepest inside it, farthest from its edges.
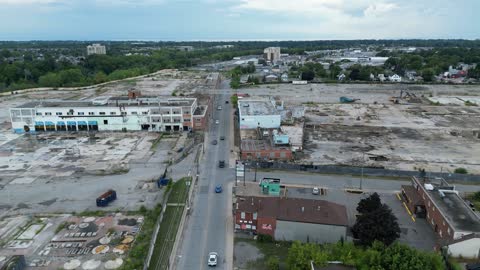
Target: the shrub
(273, 263)
(461, 170)
(264, 238)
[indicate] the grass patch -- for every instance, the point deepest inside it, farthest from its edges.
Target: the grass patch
(169, 225)
(269, 251)
(156, 142)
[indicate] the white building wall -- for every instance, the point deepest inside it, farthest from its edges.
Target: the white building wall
(309, 232)
(467, 249)
(107, 118)
(262, 121)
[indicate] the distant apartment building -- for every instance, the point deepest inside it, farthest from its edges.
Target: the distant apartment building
(96, 49)
(271, 54)
(132, 113)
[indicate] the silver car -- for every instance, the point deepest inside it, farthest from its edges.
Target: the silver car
(212, 258)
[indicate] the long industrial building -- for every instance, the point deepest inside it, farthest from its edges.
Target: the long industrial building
(132, 113)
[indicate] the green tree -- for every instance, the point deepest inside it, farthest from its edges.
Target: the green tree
(300, 255)
(50, 80)
(273, 263)
(100, 77)
(308, 75)
(379, 224)
(428, 74)
(369, 204)
(235, 82)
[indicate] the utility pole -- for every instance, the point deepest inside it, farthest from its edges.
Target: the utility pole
(256, 165)
(363, 163)
(243, 164)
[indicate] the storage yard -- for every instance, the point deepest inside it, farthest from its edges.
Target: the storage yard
(70, 242)
(380, 129)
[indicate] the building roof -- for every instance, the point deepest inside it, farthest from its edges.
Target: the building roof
(256, 107)
(295, 209)
(144, 101)
(412, 195)
(453, 208)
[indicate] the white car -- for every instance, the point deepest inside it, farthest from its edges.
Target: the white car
(217, 122)
(212, 258)
(219, 107)
(316, 191)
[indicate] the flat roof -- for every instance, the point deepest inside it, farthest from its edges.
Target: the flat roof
(295, 209)
(112, 102)
(256, 107)
(454, 209)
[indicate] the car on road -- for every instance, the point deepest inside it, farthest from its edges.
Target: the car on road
(214, 142)
(221, 163)
(222, 138)
(217, 122)
(315, 191)
(218, 189)
(219, 107)
(212, 258)
(226, 101)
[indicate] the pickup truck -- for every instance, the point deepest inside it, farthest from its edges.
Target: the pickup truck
(106, 198)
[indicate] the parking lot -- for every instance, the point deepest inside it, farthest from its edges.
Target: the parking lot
(414, 233)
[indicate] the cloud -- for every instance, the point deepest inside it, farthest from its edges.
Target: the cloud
(378, 9)
(28, 2)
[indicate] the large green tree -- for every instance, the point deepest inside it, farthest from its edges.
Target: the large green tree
(379, 224)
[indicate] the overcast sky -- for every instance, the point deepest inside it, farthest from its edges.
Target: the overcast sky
(237, 19)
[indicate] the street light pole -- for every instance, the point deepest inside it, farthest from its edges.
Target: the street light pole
(363, 163)
(256, 165)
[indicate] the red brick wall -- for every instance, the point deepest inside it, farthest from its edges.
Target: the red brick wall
(242, 222)
(266, 225)
(265, 154)
(435, 218)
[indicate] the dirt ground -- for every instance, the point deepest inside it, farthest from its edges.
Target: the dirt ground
(375, 132)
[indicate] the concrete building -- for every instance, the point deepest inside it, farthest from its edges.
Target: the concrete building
(255, 114)
(467, 247)
(134, 112)
(272, 54)
(96, 49)
(446, 212)
(291, 219)
(395, 78)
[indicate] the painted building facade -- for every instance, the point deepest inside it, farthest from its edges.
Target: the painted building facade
(162, 114)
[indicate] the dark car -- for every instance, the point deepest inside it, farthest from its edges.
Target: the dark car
(218, 189)
(214, 142)
(221, 163)
(226, 101)
(222, 138)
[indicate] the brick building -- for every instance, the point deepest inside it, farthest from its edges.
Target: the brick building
(263, 150)
(291, 218)
(446, 212)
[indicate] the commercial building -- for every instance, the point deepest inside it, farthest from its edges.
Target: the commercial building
(255, 114)
(272, 54)
(446, 212)
(131, 113)
(96, 49)
(291, 219)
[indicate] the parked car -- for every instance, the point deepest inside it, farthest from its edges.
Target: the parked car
(218, 189)
(316, 191)
(217, 122)
(212, 258)
(219, 107)
(222, 138)
(214, 142)
(221, 163)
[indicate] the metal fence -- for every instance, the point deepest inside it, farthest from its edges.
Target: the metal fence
(375, 172)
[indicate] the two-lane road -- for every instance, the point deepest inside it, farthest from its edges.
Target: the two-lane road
(206, 227)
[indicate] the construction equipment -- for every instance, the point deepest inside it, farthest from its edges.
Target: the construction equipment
(348, 100)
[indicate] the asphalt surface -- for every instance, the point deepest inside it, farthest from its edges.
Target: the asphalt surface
(207, 227)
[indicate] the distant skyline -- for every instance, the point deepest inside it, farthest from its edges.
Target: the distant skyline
(230, 20)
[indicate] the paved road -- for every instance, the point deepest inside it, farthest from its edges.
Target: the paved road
(208, 225)
(343, 181)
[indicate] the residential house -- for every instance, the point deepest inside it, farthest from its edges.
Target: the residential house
(341, 77)
(395, 78)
